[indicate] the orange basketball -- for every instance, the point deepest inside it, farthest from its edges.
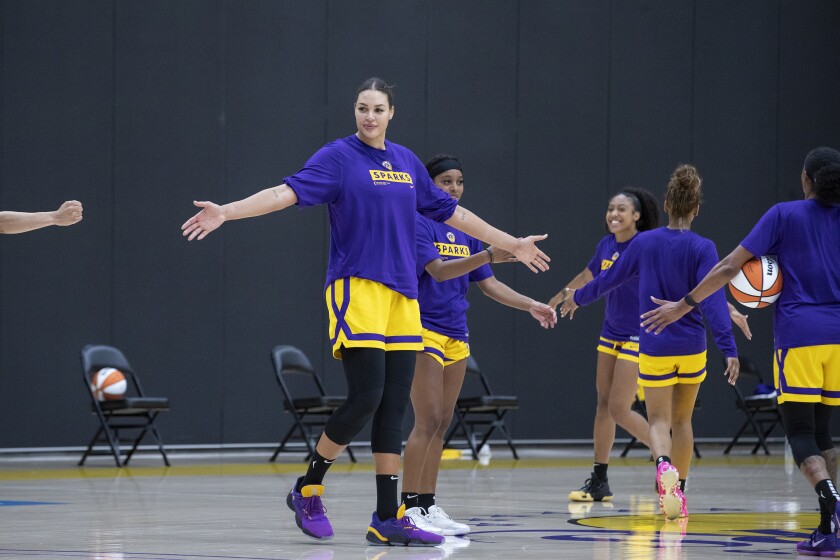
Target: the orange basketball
(758, 283)
(108, 384)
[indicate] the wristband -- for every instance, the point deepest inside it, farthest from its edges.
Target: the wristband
(490, 254)
(689, 300)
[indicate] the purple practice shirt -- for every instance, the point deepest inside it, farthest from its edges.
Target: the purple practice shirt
(621, 321)
(443, 305)
(372, 197)
(668, 264)
(805, 237)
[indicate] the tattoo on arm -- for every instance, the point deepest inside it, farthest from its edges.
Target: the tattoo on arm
(463, 215)
(276, 191)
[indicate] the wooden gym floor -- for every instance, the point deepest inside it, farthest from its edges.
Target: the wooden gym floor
(223, 506)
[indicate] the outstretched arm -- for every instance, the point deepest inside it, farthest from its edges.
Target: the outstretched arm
(67, 214)
(579, 281)
(442, 270)
(524, 249)
(212, 215)
(670, 311)
(505, 295)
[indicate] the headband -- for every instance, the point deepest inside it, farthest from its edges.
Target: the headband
(444, 165)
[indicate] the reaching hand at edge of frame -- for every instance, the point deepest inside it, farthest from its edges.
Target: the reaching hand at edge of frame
(667, 312)
(733, 368)
(499, 255)
(740, 320)
(208, 219)
(569, 306)
(545, 314)
(530, 255)
(69, 213)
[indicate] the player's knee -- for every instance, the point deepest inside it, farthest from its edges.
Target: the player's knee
(803, 445)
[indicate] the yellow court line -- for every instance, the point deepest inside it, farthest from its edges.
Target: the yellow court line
(263, 469)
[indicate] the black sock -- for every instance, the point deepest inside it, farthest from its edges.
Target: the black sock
(828, 502)
(600, 470)
(410, 499)
(426, 501)
(318, 467)
(386, 495)
(662, 458)
(682, 485)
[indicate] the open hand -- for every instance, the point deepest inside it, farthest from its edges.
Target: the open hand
(209, 218)
(543, 313)
(527, 252)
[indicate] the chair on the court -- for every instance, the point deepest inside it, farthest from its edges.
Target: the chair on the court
(759, 405)
(304, 398)
(485, 410)
(125, 422)
(640, 407)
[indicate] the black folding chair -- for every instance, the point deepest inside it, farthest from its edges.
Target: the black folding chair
(309, 410)
(761, 410)
(640, 407)
(485, 410)
(123, 422)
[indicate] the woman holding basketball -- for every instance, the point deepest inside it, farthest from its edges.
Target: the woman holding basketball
(372, 188)
(805, 237)
(666, 261)
(616, 376)
(447, 261)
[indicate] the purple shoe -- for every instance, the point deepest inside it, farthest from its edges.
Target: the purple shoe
(399, 530)
(310, 513)
(818, 545)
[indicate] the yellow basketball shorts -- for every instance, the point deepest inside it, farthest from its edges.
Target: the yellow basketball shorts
(662, 371)
(367, 314)
(808, 374)
(444, 349)
(622, 350)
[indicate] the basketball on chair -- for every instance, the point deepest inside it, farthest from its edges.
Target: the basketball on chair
(108, 384)
(758, 283)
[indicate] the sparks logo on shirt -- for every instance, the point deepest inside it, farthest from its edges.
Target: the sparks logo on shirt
(450, 236)
(607, 263)
(451, 250)
(384, 177)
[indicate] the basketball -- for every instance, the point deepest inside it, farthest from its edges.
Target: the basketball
(758, 283)
(108, 384)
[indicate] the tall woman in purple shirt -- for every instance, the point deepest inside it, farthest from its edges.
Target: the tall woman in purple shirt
(372, 188)
(671, 367)
(617, 373)
(805, 237)
(447, 261)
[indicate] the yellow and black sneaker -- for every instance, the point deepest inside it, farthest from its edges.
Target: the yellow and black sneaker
(593, 490)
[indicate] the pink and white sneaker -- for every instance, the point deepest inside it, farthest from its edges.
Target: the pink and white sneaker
(671, 499)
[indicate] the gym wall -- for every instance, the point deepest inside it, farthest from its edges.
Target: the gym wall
(138, 108)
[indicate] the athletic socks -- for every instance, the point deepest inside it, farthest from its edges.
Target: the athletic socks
(318, 467)
(413, 499)
(828, 502)
(386, 496)
(600, 470)
(662, 458)
(426, 501)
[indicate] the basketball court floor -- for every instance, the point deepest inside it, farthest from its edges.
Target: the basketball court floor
(225, 506)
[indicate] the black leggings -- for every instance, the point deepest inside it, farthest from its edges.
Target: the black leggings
(808, 428)
(378, 387)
